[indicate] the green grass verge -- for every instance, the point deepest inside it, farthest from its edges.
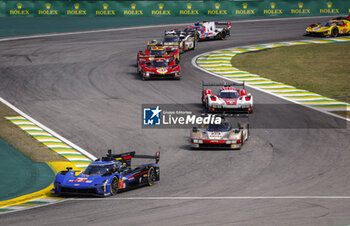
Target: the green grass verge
(22, 141)
(319, 68)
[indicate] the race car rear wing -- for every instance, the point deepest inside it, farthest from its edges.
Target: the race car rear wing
(227, 23)
(125, 158)
(225, 84)
(170, 45)
(166, 56)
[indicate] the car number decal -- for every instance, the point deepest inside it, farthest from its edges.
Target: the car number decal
(162, 70)
(80, 180)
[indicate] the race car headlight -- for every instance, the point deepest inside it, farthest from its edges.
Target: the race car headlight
(197, 141)
(147, 73)
(231, 141)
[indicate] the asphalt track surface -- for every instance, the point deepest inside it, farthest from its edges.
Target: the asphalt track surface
(85, 88)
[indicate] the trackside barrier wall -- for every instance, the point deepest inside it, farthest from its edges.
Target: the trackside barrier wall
(257, 8)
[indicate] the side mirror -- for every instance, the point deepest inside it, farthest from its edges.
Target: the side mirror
(157, 156)
(69, 168)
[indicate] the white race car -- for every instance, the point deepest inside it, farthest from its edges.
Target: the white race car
(186, 40)
(222, 135)
(228, 98)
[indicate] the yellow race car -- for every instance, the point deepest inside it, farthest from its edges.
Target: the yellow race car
(333, 28)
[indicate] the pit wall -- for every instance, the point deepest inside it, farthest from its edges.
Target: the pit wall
(229, 9)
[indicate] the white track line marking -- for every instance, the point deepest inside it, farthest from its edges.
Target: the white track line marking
(213, 198)
(143, 27)
(49, 130)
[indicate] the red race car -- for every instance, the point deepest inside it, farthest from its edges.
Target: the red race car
(159, 68)
(157, 49)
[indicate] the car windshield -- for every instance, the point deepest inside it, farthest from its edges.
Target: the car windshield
(159, 64)
(98, 169)
(228, 95)
(158, 52)
(171, 39)
(329, 23)
(188, 30)
(219, 127)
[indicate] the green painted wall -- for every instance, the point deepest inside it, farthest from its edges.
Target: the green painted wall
(258, 8)
(20, 175)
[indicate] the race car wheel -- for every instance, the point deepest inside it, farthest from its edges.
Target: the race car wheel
(248, 133)
(335, 32)
(152, 176)
(114, 186)
(223, 35)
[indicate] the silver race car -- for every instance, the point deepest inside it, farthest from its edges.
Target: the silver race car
(222, 135)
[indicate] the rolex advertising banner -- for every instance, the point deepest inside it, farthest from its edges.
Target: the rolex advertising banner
(78, 8)
(201, 8)
(19, 8)
(51, 8)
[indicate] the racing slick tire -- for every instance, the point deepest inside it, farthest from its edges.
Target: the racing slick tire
(245, 126)
(203, 102)
(207, 106)
(114, 186)
(151, 176)
(335, 32)
(182, 49)
(194, 45)
(222, 35)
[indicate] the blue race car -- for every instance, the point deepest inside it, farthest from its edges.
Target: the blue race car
(108, 176)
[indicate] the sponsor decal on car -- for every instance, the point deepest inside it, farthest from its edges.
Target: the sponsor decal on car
(80, 180)
(162, 70)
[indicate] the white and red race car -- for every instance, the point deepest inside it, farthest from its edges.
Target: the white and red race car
(213, 30)
(228, 98)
